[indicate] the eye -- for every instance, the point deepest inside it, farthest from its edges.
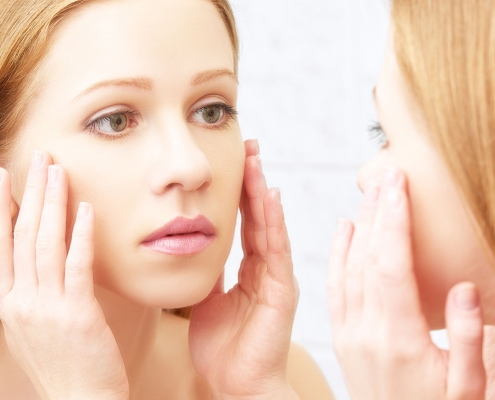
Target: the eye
(377, 134)
(214, 116)
(112, 125)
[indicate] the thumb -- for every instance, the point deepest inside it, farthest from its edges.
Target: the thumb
(466, 373)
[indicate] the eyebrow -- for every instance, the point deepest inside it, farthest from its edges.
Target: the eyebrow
(139, 83)
(206, 76)
(374, 95)
(144, 83)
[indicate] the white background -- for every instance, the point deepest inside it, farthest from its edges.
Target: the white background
(307, 70)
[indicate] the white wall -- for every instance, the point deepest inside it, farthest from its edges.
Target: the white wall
(307, 71)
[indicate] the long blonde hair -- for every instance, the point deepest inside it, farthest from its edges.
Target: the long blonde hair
(25, 29)
(446, 50)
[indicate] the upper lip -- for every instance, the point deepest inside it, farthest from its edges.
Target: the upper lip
(182, 226)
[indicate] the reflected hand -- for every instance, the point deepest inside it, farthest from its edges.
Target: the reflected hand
(240, 340)
(53, 324)
(381, 336)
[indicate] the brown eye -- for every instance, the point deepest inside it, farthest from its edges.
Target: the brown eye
(212, 114)
(118, 122)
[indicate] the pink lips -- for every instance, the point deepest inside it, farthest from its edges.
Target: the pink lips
(182, 236)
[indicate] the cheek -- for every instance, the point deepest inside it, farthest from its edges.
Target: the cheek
(227, 163)
(446, 249)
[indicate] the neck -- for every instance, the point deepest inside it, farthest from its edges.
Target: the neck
(135, 329)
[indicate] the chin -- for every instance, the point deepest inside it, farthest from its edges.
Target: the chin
(178, 292)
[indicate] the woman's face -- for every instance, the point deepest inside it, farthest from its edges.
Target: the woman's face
(136, 103)
(446, 248)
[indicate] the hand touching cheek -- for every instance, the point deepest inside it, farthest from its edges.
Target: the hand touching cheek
(53, 324)
(380, 333)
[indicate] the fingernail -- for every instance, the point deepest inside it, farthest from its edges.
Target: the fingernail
(391, 177)
(371, 192)
(257, 146)
(393, 197)
(53, 174)
(279, 195)
(83, 210)
(466, 297)
(37, 160)
(259, 162)
(341, 226)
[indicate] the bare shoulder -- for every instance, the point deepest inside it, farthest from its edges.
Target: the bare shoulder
(305, 376)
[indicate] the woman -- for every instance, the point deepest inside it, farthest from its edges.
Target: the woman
(421, 254)
(123, 162)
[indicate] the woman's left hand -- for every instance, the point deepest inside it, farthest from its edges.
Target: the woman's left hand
(240, 340)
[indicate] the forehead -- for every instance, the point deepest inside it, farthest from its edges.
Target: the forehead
(107, 39)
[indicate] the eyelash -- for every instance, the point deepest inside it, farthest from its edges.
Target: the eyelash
(230, 115)
(376, 134)
(92, 127)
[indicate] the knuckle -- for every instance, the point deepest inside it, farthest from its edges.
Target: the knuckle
(21, 233)
(391, 276)
(369, 347)
(399, 353)
(32, 182)
(45, 245)
(468, 333)
(76, 264)
(22, 312)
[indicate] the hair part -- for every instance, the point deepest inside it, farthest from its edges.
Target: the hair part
(446, 51)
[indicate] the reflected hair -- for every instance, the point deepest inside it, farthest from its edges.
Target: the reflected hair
(446, 51)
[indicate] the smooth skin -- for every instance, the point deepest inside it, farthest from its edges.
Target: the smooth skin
(81, 301)
(411, 263)
(50, 314)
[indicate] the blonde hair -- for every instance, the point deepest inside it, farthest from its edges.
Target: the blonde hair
(25, 29)
(446, 50)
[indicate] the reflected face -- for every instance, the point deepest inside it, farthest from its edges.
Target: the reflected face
(137, 103)
(446, 248)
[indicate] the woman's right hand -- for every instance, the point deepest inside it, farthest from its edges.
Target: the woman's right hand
(380, 333)
(54, 326)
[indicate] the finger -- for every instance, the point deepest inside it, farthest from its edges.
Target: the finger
(278, 254)
(255, 188)
(247, 231)
(252, 147)
(28, 221)
(6, 239)
(394, 270)
(358, 253)
(336, 274)
(79, 264)
(466, 376)
(51, 250)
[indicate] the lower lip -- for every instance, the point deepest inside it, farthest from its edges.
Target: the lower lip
(181, 245)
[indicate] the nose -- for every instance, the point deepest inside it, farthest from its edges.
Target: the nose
(178, 161)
